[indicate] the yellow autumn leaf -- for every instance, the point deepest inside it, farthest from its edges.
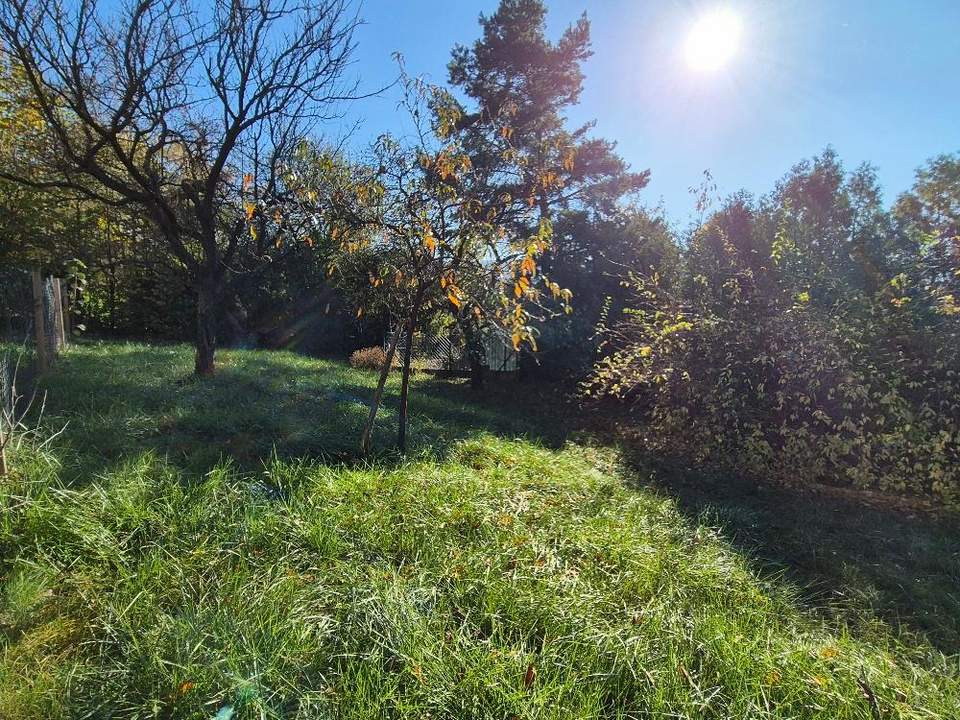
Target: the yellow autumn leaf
(528, 266)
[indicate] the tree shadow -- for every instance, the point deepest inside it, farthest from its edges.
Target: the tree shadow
(856, 555)
(121, 400)
(846, 557)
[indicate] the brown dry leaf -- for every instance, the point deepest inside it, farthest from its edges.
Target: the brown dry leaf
(529, 676)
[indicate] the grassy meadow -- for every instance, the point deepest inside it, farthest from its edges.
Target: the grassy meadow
(215, 549)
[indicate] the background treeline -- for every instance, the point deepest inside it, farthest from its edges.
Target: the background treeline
(810, 333)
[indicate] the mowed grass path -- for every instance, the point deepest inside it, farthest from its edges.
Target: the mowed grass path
(153, 565)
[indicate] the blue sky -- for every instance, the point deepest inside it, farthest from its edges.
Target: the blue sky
(879, 81)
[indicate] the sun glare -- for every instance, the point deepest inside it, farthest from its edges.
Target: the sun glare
(713, 40)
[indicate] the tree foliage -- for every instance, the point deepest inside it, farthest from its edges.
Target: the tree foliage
(183, 112)
(416, 232)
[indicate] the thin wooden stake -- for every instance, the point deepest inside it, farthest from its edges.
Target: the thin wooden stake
(58, 315)
(39, 322)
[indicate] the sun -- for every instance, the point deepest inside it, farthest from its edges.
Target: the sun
(713, 40)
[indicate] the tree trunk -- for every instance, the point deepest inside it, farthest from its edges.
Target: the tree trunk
(405, 382)
(366, 437)
(208, 306)
(3, 459)
(475, 354)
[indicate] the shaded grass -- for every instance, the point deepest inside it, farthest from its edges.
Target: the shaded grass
(119, 399)
(203, 547)
(850, 556)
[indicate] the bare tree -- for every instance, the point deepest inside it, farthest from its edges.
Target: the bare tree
(185, 110)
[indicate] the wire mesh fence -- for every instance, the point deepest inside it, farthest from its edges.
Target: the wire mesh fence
(33, 315)
(447, 351)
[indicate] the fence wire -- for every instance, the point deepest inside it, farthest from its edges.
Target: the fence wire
(20, 314)
(447, 352)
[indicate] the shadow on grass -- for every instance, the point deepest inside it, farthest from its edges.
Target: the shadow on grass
(120, 400)
(846, 556)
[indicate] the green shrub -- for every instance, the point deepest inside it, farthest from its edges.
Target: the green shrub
(788, 392)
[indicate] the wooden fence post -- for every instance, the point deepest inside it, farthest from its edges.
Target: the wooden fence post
(39, 322)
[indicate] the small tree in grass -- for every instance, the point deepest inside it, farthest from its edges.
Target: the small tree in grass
(415, 232)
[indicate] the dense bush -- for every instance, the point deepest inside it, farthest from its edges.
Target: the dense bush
(794, 348)
(792, 396)
(371, 358)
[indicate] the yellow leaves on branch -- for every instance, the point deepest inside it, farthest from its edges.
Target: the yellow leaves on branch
(429, 241)
(454, 294)
(521, 286)
(448, 164)
(549, 179)
(948, 305)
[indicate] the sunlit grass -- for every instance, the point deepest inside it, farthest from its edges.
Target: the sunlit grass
(492, 578)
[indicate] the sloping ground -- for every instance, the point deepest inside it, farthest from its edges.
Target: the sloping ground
(499, 578)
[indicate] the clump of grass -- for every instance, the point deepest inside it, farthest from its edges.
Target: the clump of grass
(506, 580)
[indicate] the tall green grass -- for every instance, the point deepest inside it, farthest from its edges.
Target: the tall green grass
(495, 578)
